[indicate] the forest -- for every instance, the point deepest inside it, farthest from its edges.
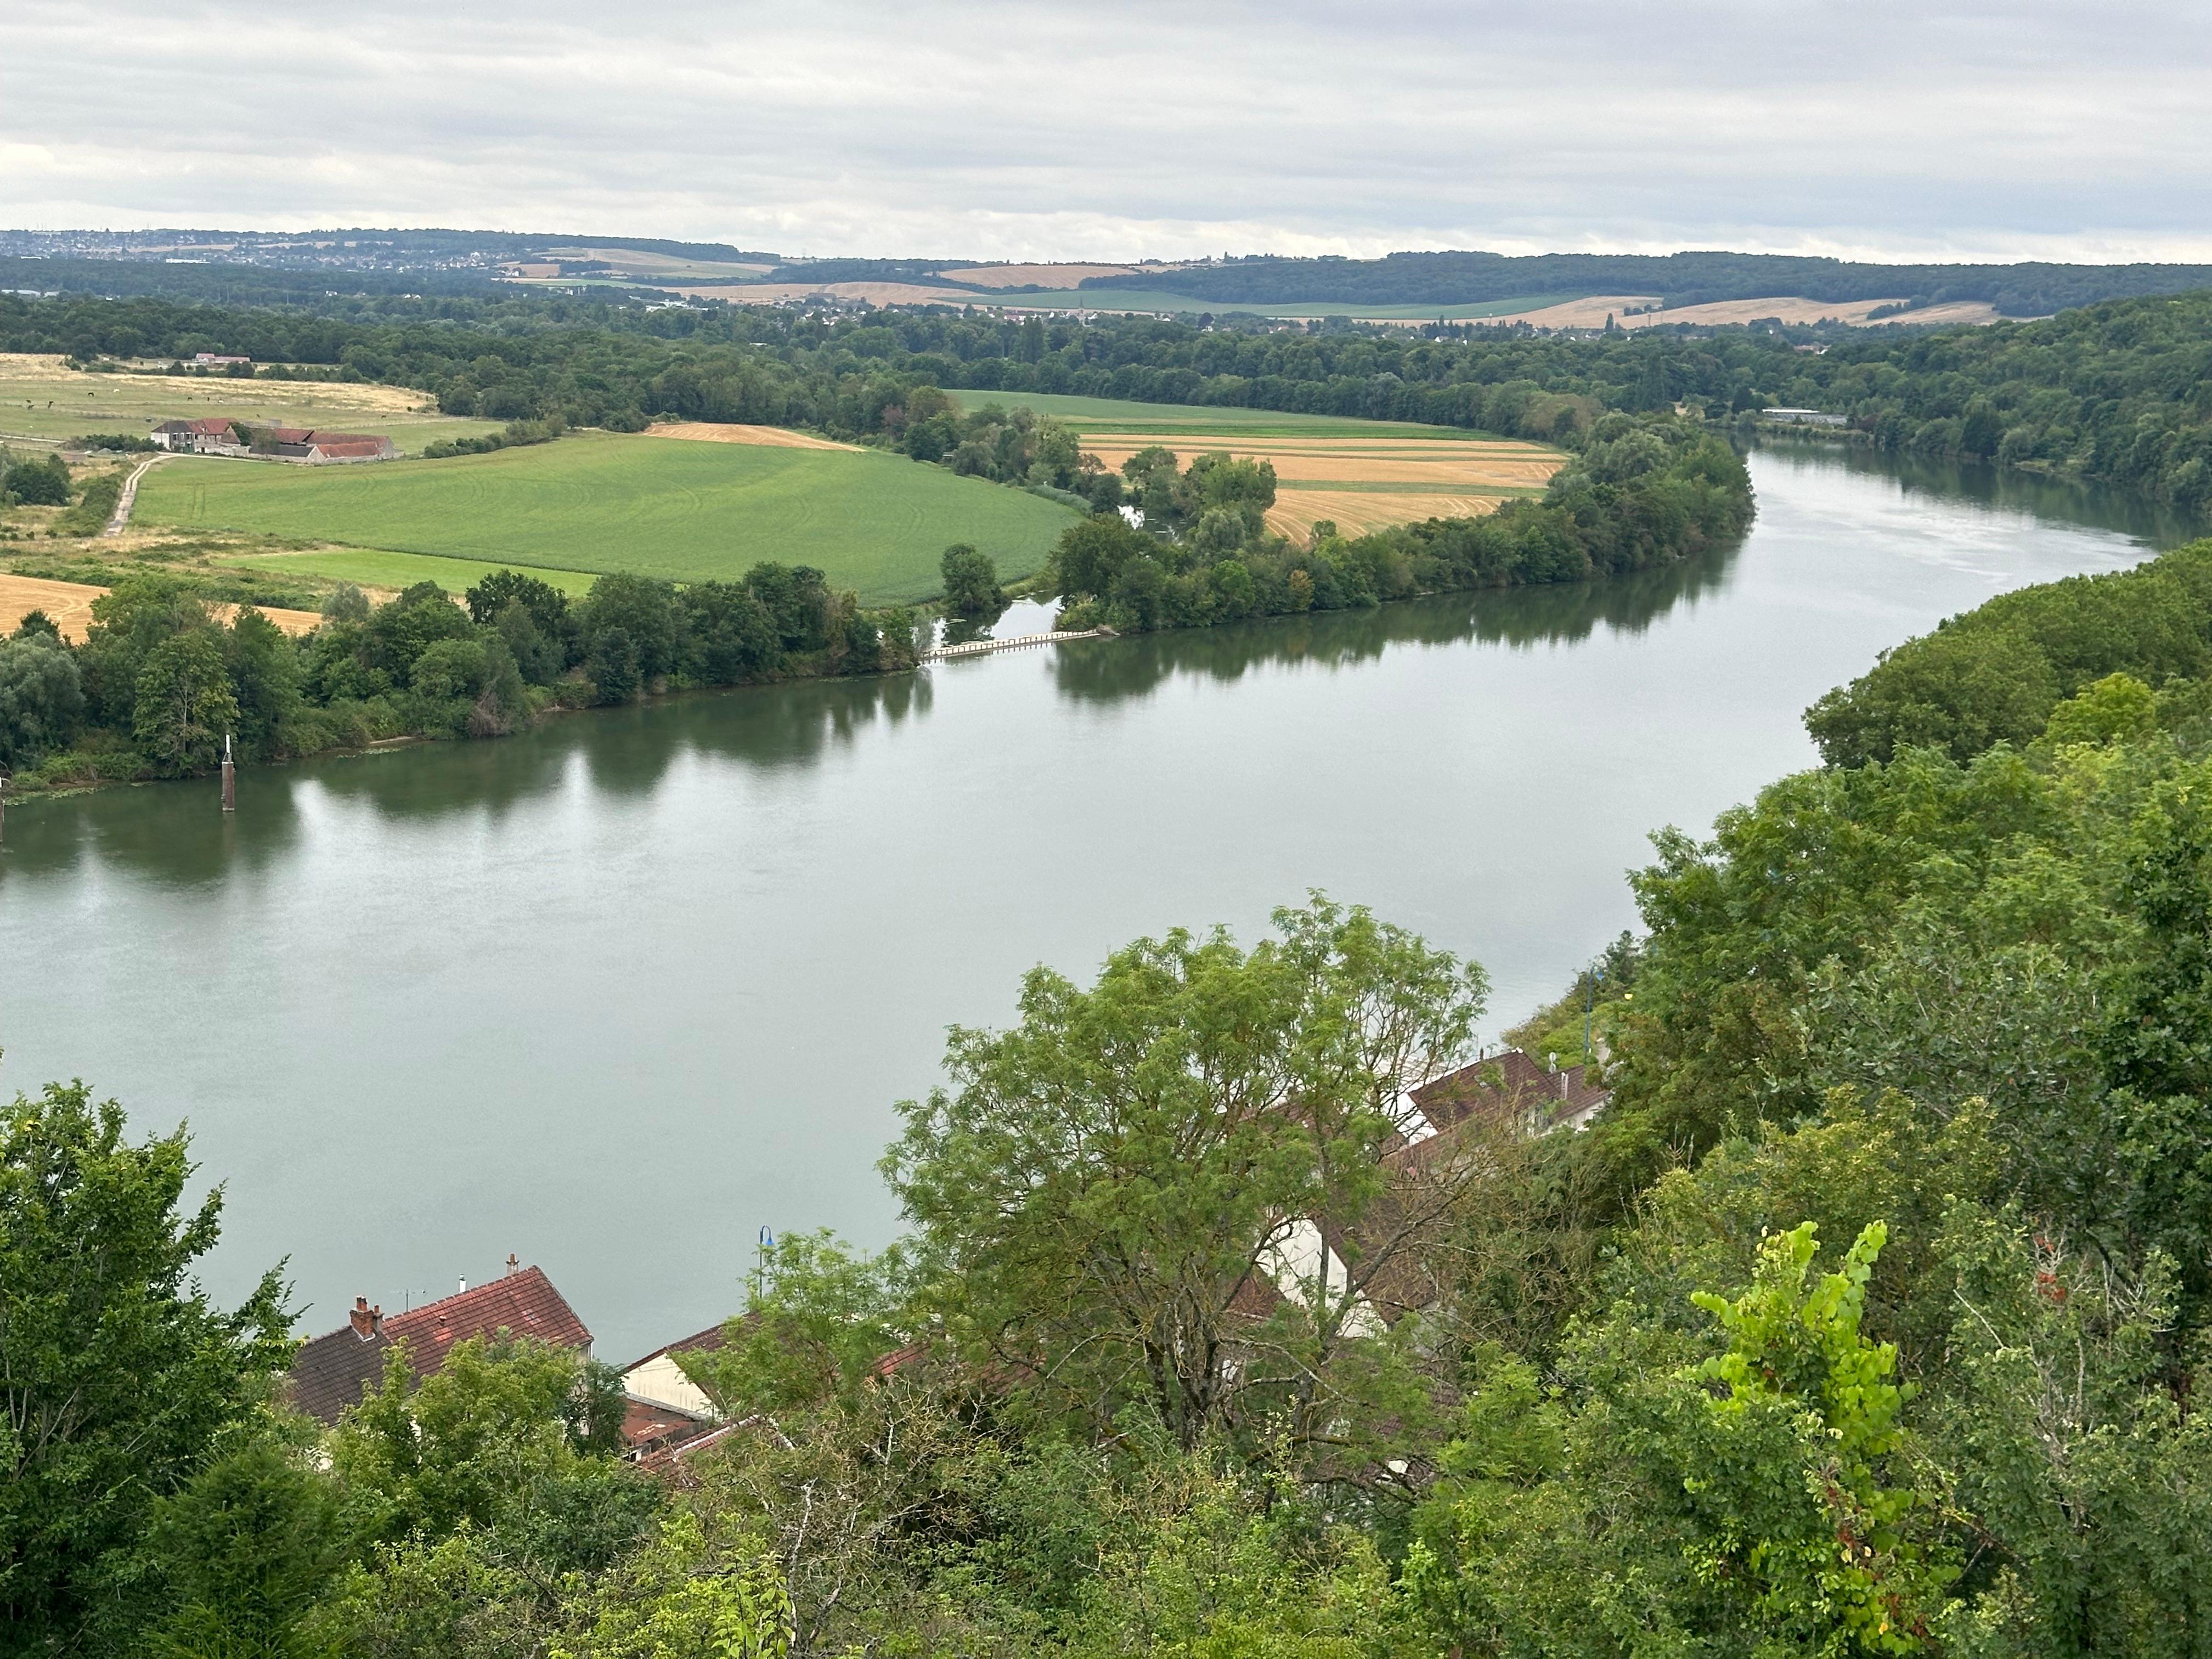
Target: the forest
(2027, 289)
(160, 681)
(1868, 1319)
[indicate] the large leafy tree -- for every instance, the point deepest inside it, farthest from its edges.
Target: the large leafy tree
(118, 1374)
(1169, 1190)
(185, 703)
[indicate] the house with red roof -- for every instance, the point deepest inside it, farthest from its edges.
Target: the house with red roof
(332, 1372)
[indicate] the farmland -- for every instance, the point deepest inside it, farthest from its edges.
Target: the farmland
(595, 502)
(40, 398)
(1359, 475)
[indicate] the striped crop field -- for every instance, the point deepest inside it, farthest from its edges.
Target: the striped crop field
(1359, 475)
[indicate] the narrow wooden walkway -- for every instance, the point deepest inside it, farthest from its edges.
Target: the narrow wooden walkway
(984, 647)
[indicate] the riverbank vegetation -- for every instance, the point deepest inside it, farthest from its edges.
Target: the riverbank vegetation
(1638, 494)
(159, 682)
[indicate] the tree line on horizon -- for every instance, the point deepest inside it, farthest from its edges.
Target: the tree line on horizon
(2109, 392)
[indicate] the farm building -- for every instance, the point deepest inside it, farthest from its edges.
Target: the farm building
(296, 443)
(332, 1372)
(315, 445)
(203, 437)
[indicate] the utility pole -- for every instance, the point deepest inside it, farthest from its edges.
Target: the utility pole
(230, 778)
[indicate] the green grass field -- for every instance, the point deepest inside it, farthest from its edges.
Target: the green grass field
(374, 568)
(1120, 414)
(594, 502)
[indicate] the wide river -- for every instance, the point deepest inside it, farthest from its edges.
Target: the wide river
(613, 995)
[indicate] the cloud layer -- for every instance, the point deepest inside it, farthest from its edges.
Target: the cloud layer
(2028, 130)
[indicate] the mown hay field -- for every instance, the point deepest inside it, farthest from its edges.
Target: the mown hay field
(1359, 475)
(68, 604)
(40, 398)
(594, 502)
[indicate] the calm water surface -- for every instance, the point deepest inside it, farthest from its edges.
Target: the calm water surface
(614, 995)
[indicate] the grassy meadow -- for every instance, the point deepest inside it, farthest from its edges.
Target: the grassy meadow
(594, 502)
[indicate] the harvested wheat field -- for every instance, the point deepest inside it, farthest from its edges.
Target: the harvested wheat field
(1592, 312)
(1357, 511)
(876, 294)
(1362, 483)
(768, 437)
(1050, 275)
(69, 604)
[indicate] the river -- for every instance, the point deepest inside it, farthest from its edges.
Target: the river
(614, 995)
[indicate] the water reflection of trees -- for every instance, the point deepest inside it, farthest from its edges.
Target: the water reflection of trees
(176, 833)
(2066, 501)
(1111, 669)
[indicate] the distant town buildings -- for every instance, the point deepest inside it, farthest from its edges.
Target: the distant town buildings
(1802, 418)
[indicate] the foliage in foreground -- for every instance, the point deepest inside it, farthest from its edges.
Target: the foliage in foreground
(1872, 1318)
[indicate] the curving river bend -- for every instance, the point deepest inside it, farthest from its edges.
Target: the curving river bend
(614, 995)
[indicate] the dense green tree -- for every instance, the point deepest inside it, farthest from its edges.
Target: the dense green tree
(547, 604)
(645, 611)
(185, 705)
(1107, 1185)
(42, 483)
(398, 634)
(41, 698)
(539, 657)
(128, 621)
(265, 678)
(971, 584)
(118, 1375)
(729, 635)
(614, 666)
(246, 1552)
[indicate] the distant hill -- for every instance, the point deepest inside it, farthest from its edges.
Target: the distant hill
(1682, 279)
(224, 283)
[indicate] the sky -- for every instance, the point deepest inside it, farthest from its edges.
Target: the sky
(1132, 130)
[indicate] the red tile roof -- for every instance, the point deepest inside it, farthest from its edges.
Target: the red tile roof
(331, 1372)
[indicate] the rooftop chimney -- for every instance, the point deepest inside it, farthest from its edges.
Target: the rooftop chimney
(366, 1320)
(512, 1265)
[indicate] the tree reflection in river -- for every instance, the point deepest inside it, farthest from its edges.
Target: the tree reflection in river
(1562, 613)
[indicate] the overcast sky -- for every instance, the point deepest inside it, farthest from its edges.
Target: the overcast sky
(1120, 131)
